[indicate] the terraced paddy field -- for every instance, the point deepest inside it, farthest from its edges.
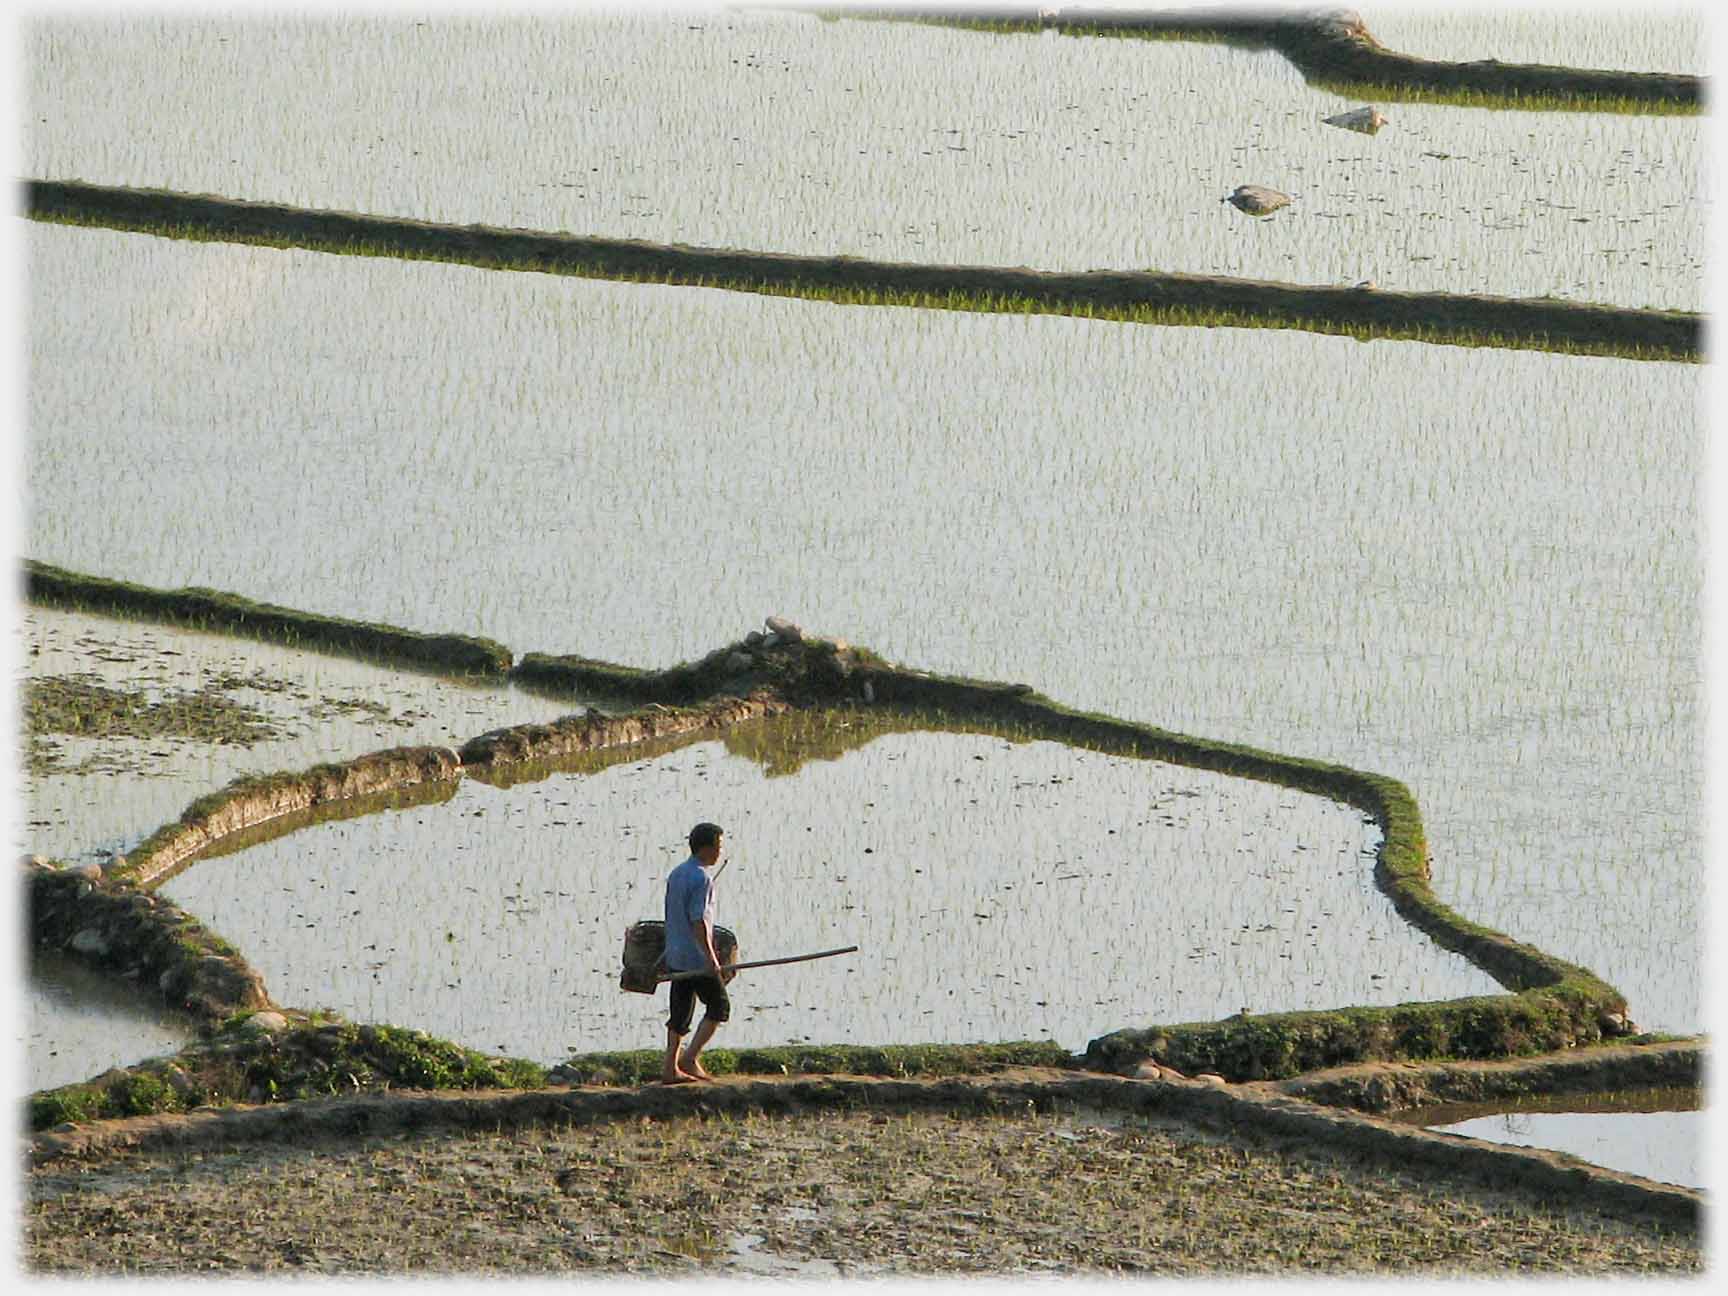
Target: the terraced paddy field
(1422, 621)
(1494, 596)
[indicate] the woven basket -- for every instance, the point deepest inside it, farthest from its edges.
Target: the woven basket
(645, 949)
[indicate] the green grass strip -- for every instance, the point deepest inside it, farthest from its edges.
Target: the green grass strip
(213, 610)
(316, 1059)
(1143, 297)
(642, 1066)
(1336, 52)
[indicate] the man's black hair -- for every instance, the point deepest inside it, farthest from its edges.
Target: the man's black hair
(704, 834)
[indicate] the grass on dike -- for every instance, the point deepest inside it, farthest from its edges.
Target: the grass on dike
(981, 303)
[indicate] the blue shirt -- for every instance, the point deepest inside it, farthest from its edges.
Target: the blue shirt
(689, 898)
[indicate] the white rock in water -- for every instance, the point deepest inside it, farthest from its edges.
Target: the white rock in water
(1257, 200)
(1363, 120)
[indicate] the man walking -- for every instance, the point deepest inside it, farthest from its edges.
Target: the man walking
(690, 948)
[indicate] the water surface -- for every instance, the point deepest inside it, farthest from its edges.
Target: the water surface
(899, 141)
(75, 1023)
(1659, 1134)
(1477, 571)
(997, 890)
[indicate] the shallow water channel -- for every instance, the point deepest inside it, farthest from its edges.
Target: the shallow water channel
(897, 141)
(1475, 570)
(74, 1023)
(998, 891)
(1659, 1134)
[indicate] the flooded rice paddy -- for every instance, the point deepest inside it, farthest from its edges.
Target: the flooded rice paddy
(1474, 570)
(997, 890)
(88, 793)
(783, 132)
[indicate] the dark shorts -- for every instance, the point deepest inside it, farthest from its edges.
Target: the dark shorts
(684, 995)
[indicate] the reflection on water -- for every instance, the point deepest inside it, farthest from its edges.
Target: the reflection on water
(1659, 1134)
(999, 890)
(76, 1023)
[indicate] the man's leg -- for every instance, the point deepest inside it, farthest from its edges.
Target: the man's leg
(717, 1008)
(680, 1011)
(670, 1073)
(688, 1063)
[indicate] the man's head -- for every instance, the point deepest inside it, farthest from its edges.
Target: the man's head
(705, 842)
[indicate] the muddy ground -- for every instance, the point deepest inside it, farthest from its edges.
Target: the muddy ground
(661, 1186)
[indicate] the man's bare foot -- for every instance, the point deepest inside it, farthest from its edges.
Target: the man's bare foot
(677, 1077)
(696, 1071)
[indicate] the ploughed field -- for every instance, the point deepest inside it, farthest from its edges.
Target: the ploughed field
(811, 1196)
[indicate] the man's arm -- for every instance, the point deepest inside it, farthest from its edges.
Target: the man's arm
(703, 933)
(701, 927)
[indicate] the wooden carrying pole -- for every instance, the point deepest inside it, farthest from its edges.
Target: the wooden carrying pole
(774, 962)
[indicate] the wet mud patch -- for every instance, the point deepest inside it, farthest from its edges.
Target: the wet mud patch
(315, 706)
(144, 690)
(82, 706)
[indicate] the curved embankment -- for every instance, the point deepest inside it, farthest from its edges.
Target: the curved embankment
(1530, 1173)
(109, 918)
(1333, 48)
(1405, 1087)
(1552, 1004)
(1532, 323)
(130, 934)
